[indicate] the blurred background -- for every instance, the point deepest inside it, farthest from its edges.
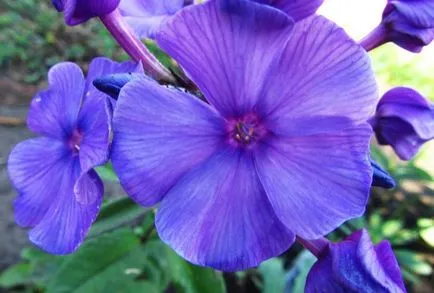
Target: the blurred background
(33, 37)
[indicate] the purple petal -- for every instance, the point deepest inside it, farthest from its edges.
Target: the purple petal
(322, 72)
(79, 11)
(389, 263)
(218, 215)
(420, 12)
(44, 172)
(146, 16)
(297, 9)
(54, 112)
(410, 106)
(355, 265)
(159, 134)
(94, 125)
(330, 173)
(226, 47)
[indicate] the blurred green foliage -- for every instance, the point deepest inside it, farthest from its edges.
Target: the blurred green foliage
(34, 37)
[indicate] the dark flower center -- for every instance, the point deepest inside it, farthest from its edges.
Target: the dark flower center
(75, 141)
(246, 130)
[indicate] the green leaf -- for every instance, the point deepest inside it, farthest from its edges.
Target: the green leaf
(273, 276)
(115, 214)
(193, 279)
(298, 274)
(104, 264)
(107, 172)
(428, 235)
(391, 227)
(413, 262)
(16, 275)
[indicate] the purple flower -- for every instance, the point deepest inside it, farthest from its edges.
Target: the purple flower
(356, 265)
(404, 120)
(59, 194)
(407, 23)
(146, 16)
(281, 148)
(297, 9)
(79, 11)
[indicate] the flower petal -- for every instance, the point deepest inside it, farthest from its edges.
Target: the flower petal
(79, 11)
(95, 126)
(145, 17)
(159, 134)
(218, 215)
(297, 9)
(322, 72)
(54, 112)
(226, 47)
(315, 183)
(388, 262)
(420, 12)
(44, 173)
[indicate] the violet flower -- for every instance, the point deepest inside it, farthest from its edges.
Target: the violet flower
(282, 149)
(297, 9)
(59, 193)
(355, 265)
(404, 120)
(146, 16)
(407, 23)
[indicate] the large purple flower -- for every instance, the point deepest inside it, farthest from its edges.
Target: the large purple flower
(146, 16)
(407, 23)
(282, 149)
(404, 120)
(356, 265)
(59, 194)
(79, 11)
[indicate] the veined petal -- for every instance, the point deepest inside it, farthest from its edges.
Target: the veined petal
(317, 182)
(226, 47)
(145, 16)
(44, 172)
(54, 112)
(95, 128)
(159, 134)
(322, 72)
(420, 12)
(297, 9)
(218, 215)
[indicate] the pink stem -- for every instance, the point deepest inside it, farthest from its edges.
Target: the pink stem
(124, 35)
(375, 38)
(316, 247)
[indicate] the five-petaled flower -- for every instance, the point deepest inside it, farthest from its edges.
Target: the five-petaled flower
(404, 120)
(282, 148)
(356, 265)
(59, 193)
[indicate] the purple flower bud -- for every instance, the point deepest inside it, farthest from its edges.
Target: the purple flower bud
(79, 11)
(404, 120)
(409, 24)
(356, 265)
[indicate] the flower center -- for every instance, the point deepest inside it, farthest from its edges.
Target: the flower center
(75, 141)
(245, 130)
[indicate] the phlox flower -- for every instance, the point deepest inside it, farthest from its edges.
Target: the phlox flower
(404, 120)
(356, 265)
(59, 193)
(280, 148)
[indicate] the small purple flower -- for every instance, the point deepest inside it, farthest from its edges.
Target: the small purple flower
(59, 193)
(297, 9)
(147, 16)
(356, 265)
(404, 120)
(282, 148)
(407, 23)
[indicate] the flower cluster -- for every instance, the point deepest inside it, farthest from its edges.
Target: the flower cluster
(271, 146)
